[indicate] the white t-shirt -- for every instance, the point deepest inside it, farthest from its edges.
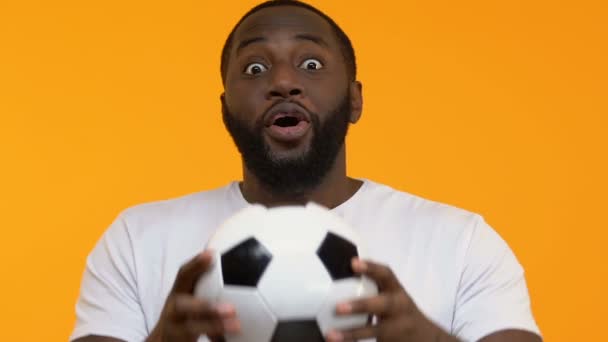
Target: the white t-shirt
(457, 269)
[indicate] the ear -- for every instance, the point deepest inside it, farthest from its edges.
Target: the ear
(223, 102)
(356, 101)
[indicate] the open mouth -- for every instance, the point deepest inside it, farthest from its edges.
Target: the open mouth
(288, 127)
(287, 120)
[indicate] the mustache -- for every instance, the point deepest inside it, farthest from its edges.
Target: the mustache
(259, 122)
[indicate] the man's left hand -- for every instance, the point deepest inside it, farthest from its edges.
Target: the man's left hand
(398, 318)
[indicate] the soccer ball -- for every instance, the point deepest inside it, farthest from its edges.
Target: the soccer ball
(285, 269)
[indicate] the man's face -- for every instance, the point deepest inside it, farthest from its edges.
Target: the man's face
(287, 100)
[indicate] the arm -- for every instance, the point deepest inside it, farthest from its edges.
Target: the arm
(492, 302)
(398, 317)
(512, 335)
(108, 304)
(109, 308)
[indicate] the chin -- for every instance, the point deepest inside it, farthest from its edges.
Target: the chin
(283, 155)
(281, 152)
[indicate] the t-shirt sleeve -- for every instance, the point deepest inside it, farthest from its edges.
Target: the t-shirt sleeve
(108, 304)
(492, 294)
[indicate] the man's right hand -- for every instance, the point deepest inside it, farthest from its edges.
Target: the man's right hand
(184, 317)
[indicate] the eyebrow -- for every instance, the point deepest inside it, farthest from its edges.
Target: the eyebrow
(302, 37)
(244, 43)
(312, 38)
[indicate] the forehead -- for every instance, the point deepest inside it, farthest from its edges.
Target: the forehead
(281, 20)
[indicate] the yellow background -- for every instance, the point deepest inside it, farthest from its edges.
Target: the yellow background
(498, 107)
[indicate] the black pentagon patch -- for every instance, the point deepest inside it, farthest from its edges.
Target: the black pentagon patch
(245, 263)
(336, 254)
(297, 331)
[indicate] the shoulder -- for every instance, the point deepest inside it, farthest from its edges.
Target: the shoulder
(446, 226)
(185, 212)
(406, 218)
(412, 208)
(175, 207)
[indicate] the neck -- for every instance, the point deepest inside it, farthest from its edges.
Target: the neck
(333, 190)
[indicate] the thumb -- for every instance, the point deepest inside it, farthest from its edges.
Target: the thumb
(188, 274)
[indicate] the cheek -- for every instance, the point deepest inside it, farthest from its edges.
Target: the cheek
(326, 92)
(324, 99)
(244, 100)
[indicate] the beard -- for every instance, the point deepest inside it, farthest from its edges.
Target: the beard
(291, 175)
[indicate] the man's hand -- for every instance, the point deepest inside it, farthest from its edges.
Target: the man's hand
(184, 317)
(398, 317)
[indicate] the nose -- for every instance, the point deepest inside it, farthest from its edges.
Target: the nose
(284, 82)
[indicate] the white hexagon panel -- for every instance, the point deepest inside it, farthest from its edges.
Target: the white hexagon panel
(295, 286)
(293, 229)
(341, 291)
(255, 317)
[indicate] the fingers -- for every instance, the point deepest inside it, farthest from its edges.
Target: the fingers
(194, 316)
(215, 327)
(185, 307)
(185, 316)
(382, 305)
(393, 307)
(387, 330)
(351, 335)
(391, 300)
(188, 274)
(382, 275)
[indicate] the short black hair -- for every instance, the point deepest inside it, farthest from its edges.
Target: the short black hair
(345, 45)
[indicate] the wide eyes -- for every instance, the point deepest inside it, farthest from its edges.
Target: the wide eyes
(255, 68)
(311, 64)
(308, 64)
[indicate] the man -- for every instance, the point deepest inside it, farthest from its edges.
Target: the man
(290, 93)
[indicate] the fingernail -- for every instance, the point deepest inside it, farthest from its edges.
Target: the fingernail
(359, 265)
(205, 255)
(344, 308)
(225, 309)
(334, 335)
